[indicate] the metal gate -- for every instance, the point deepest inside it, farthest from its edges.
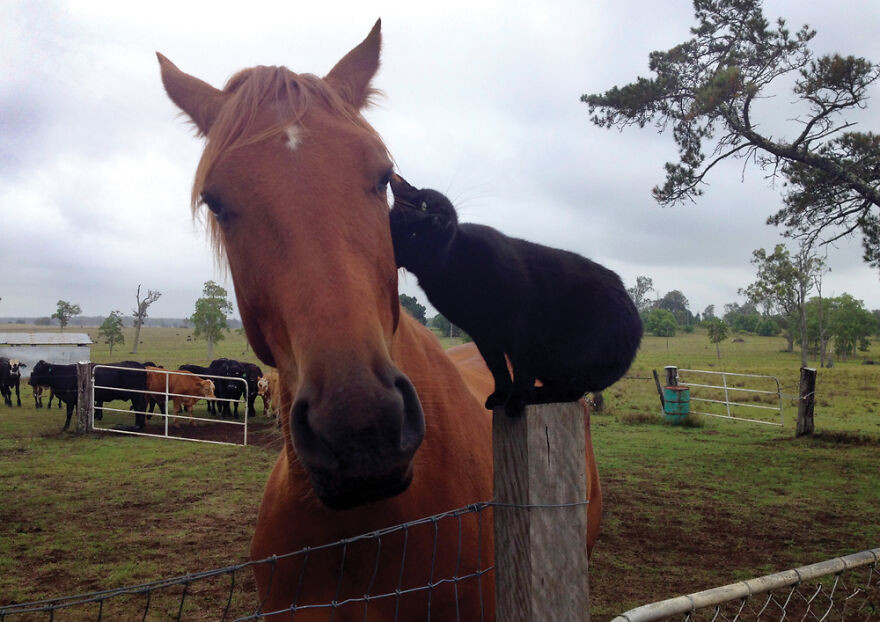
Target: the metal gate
(167, 429)
(720, 400)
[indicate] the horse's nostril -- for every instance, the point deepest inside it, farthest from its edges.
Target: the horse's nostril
(299, 421)
(413, 429)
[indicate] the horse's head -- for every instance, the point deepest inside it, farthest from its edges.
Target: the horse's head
(295, 180)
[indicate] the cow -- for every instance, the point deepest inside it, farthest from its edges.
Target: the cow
(123, 384)
(267, 388)
(202, 372)
(184, 388)
(38, 395)
(232, 389)
(252, 375)
(61, 380)
(10, 378)
(4, 381)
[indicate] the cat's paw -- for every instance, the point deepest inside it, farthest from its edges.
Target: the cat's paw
(496, 399)
(512, 405)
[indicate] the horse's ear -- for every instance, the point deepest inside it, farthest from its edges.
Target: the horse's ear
(351, 76)
(198, 99)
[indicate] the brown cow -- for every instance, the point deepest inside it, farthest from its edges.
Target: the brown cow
(267, 388)
(184, 389)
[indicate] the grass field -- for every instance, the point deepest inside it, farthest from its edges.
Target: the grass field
(686, 508)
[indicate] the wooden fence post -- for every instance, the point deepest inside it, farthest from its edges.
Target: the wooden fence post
(84, 398)
(540, 551)
(671, 375)
(806, 402)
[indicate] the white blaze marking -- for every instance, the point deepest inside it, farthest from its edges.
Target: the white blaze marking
(294, 135)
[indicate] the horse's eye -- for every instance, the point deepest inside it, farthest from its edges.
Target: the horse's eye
(382, 186)
(214, 204)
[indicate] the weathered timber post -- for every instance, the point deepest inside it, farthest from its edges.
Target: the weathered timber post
(806, 402)
(84, 398)
(671, 375)
(541, 514)
(659, 390)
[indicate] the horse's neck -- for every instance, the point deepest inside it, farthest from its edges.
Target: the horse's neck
(418, 354)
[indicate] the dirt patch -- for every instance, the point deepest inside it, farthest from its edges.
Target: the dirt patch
(688, 541)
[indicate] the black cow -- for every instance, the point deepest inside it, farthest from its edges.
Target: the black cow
(231, 389)
(253, 374)
(4, 381)
(61, 379)
(10, 378)
(128, 384)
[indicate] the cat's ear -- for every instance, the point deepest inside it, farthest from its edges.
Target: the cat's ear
(400, 187)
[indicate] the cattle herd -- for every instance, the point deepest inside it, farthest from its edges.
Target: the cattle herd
(223, 384)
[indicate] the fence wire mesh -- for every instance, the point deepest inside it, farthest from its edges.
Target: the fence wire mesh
(845, 589)
(367, 582)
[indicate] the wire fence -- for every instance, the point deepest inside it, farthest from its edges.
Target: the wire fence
(376, 575)
(844, 588)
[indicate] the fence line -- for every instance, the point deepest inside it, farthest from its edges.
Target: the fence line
(791, 595)
(238, 599)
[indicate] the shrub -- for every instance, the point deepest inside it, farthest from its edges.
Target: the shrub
(768, 327)
(660, 323)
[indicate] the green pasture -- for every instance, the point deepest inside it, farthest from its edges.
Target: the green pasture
(847, 396)
(686, 508)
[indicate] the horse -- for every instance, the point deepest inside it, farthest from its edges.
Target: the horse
(379, 425)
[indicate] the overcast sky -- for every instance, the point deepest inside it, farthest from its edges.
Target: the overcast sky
(481, 102)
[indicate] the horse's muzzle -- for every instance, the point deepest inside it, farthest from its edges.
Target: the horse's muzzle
(357, 436)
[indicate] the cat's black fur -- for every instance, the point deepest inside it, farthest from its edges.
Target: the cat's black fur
(559, 317)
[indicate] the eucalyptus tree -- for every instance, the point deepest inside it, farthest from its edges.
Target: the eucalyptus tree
(209, 318)
(64, 311)
(783, 284)
(111, 329)
(140, 313)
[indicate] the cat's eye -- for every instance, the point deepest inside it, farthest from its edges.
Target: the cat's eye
(424, 206)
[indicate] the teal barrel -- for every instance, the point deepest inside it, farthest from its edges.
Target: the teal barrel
(677, 403)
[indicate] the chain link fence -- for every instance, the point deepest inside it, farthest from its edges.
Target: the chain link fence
(845, 589)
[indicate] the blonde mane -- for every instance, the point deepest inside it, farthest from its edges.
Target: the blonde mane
(248, 91)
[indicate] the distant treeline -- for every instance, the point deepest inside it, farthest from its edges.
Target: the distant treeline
(82, 321)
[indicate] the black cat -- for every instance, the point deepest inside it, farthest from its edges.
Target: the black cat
(559, 317)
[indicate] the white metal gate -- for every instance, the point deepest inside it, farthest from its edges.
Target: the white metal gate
(167, 429)
(720, 400)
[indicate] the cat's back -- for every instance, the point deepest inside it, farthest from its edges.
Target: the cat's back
(538, 264)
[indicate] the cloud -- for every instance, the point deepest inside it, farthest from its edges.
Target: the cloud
(482, 102)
